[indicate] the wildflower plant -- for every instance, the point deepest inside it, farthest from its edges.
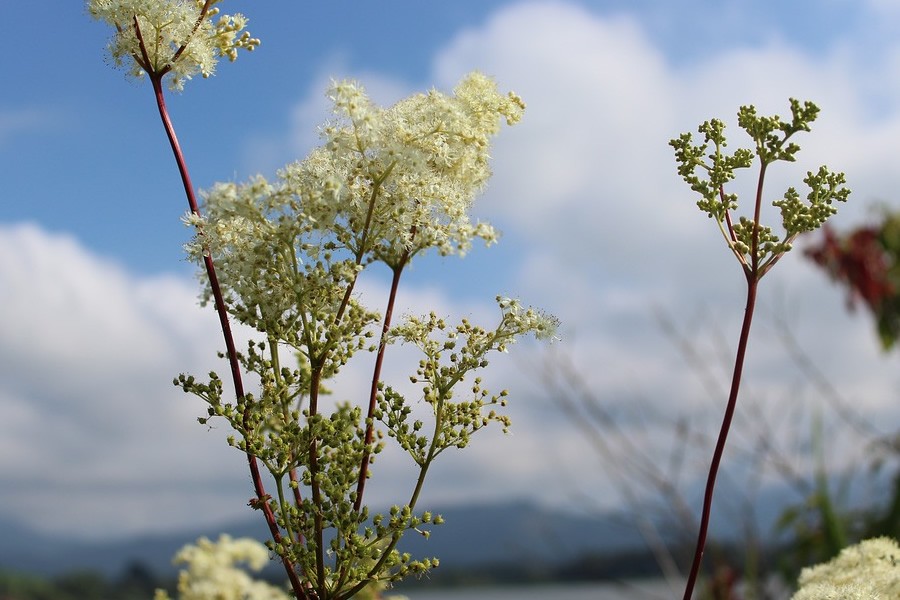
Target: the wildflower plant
(707, 168)
(284, 257)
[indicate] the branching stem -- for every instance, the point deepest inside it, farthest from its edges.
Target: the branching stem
(752, 284)
(753, 275)
(376, 377)
(262, 498)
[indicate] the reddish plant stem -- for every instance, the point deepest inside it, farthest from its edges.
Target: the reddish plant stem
(262, 498)
(751, 272)
(315, 383)
(298, 499)
(376, 377)
(752, 283)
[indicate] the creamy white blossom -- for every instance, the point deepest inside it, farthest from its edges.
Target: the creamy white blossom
(831, 591)
(177, 37)
(869, 570)
(213, 573)
(387, 185)
(418, 164)
(523, 320)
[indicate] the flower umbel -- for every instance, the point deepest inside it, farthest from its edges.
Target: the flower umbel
(212, 571)
(181, 37)
(869, 570)
(388, 185)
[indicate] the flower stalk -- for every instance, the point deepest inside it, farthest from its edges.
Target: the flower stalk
(376, 378)
(754, 245)
(262, 498)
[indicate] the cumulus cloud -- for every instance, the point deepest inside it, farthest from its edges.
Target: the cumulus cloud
(589, 181)
(95, 439)
(589, 178)
(88, 353)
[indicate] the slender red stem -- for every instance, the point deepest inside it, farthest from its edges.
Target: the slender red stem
(262, 498)
(723, 435)
(753, 276)
(376, 377)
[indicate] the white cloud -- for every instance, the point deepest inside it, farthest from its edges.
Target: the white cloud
(91, 415)
(581, 154)
(588, 178)
(88, 356)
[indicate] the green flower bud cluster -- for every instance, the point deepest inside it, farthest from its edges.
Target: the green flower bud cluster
(450, 355)
(707, 169)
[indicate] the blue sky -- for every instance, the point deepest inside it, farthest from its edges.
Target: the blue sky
(98, 303)
(82, 132)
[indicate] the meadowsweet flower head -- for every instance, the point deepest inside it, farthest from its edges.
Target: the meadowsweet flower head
(869, 570)
(177, 37)
(387, 185)
(831, 591)
(411, 171)
(212, 571)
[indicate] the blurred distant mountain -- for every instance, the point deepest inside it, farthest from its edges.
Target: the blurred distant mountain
(498, 533)
(520, 533)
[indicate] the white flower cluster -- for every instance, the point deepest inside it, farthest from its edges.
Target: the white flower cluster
(422, 161)
(387, 185)
(180, 37)
(521, 320)
(212, 572)
(868, 571)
